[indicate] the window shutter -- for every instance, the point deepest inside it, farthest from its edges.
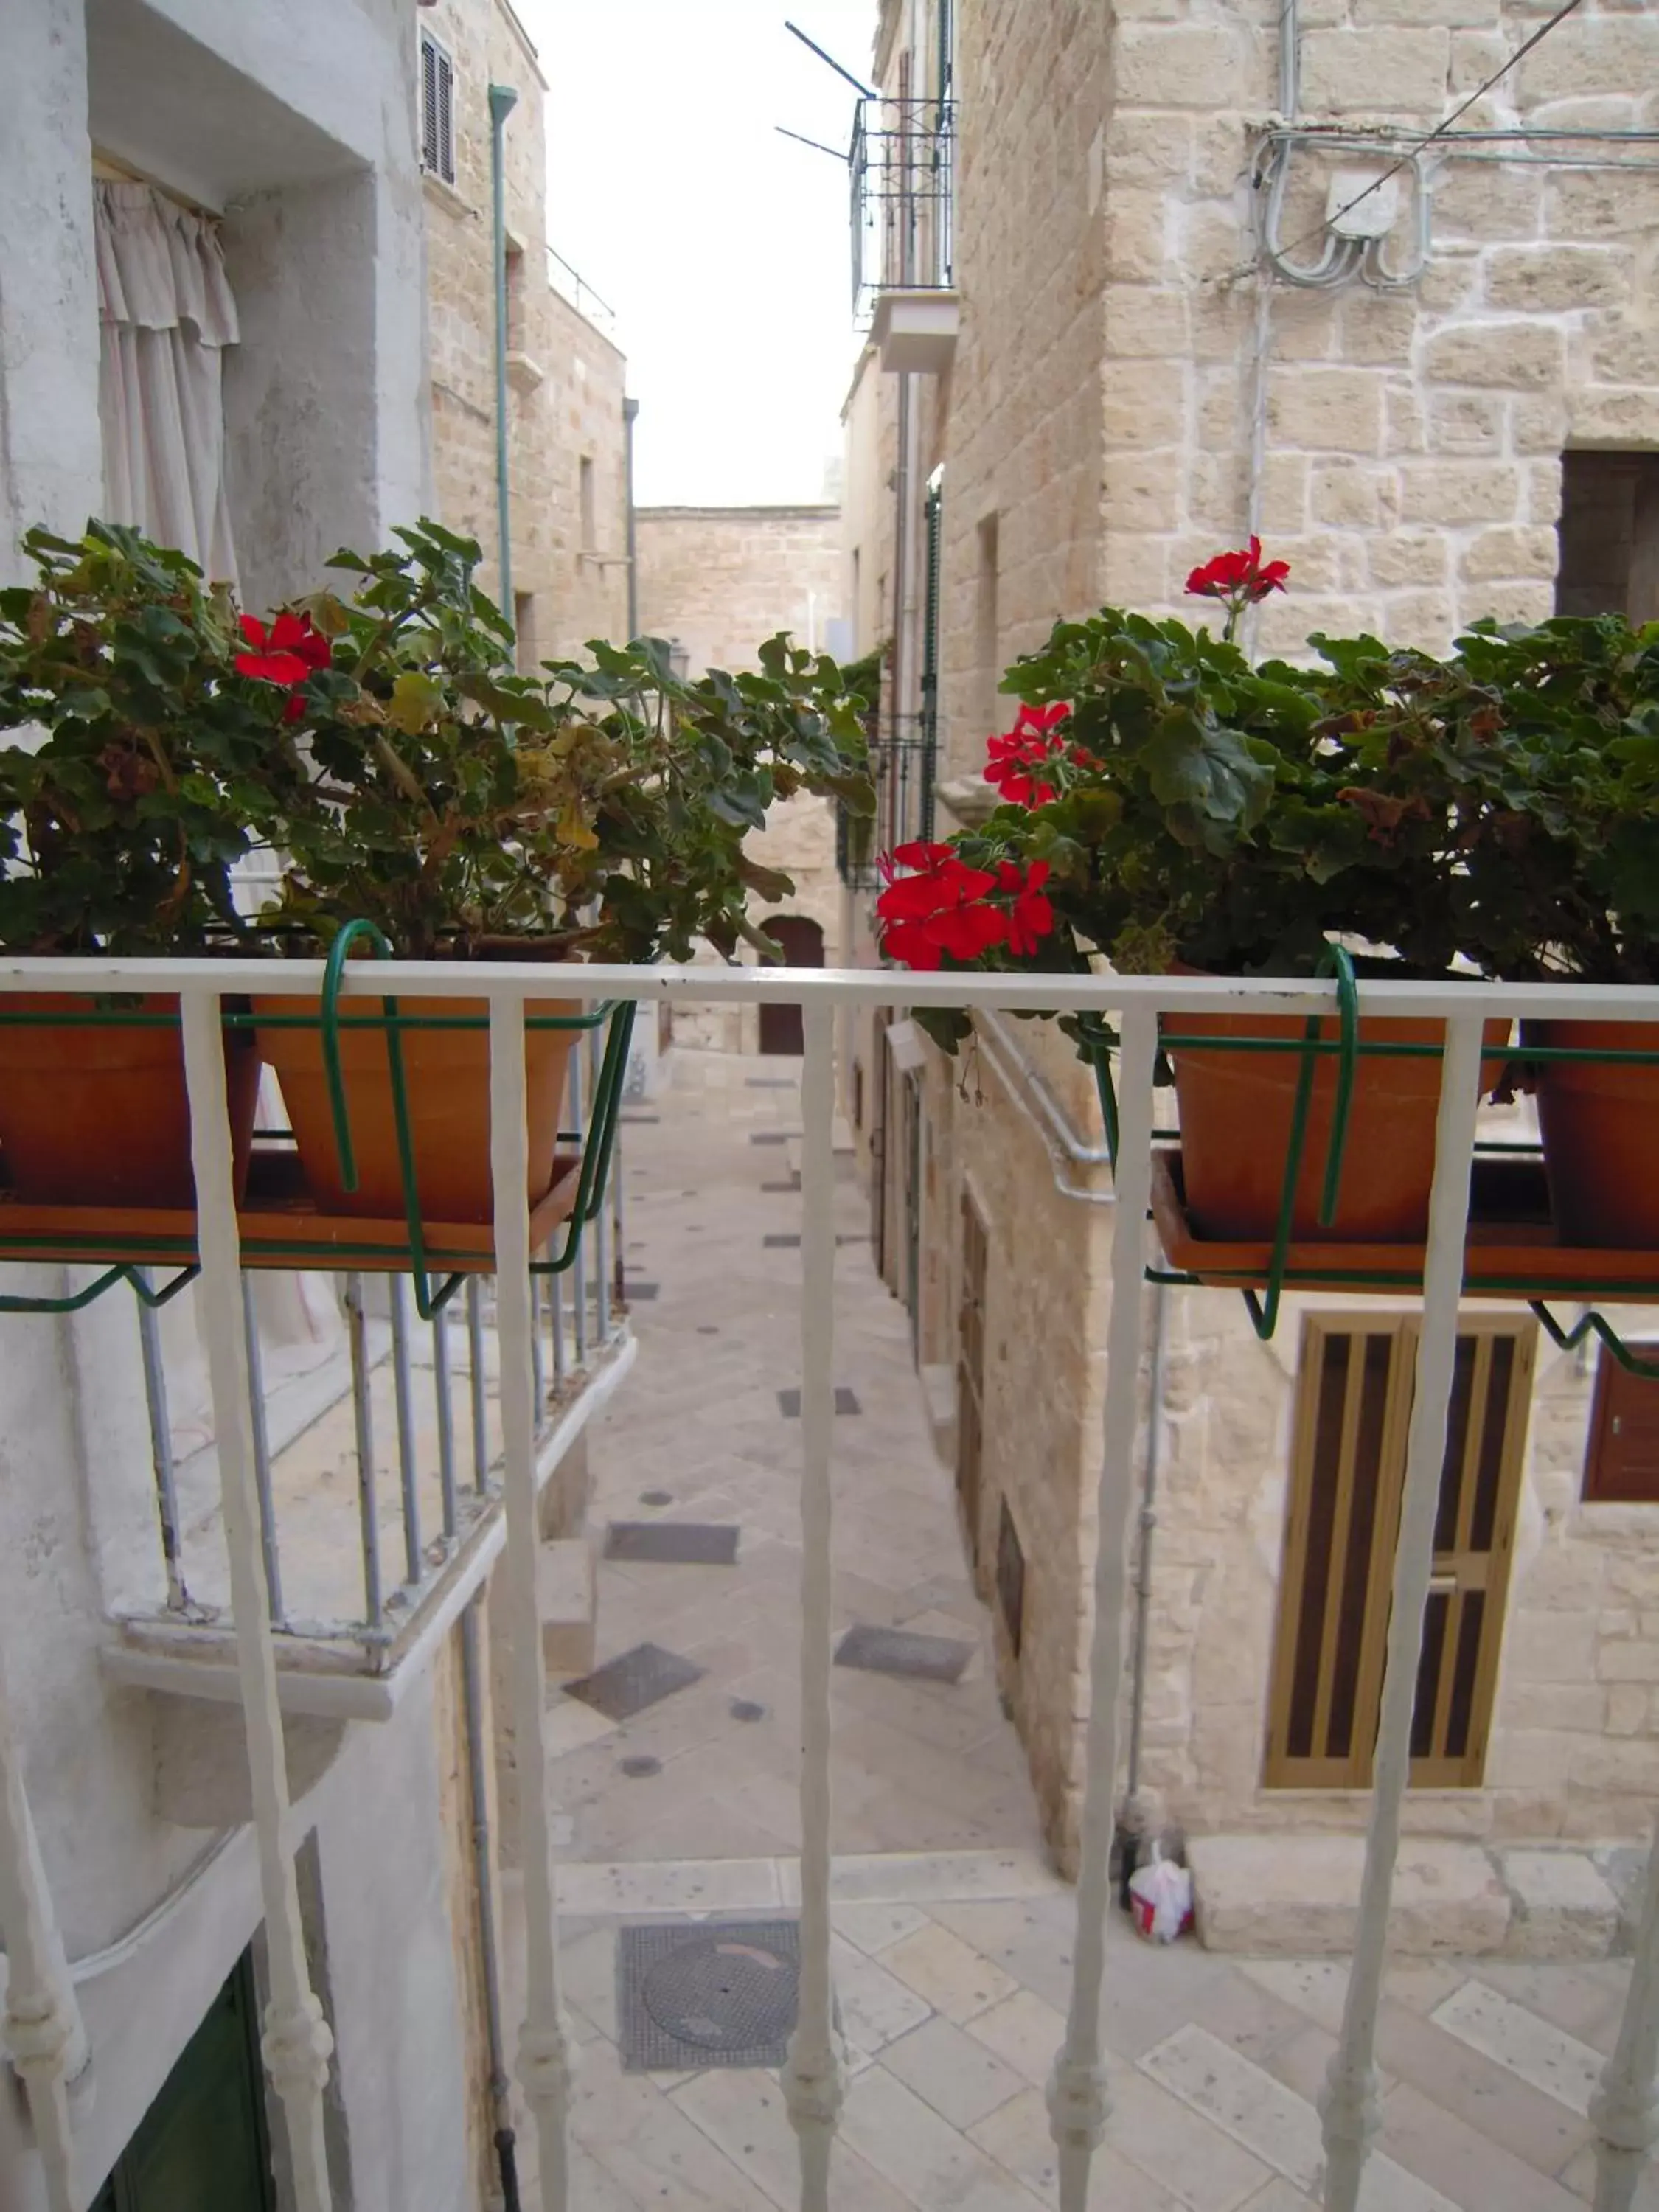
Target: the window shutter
(437, 111)
(446, 119)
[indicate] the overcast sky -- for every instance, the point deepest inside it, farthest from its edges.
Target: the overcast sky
(722, 246)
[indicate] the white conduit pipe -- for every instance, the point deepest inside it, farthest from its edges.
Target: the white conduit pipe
(1067, 1189)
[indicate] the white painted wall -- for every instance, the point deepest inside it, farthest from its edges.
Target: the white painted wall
(294, 118)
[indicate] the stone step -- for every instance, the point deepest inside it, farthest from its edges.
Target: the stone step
(567, 1598)
(1299, 1896)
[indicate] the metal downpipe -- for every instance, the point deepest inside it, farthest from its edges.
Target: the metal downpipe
(506, 2140)
(503, 101)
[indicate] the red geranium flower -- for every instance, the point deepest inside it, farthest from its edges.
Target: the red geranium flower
(936, 910)
(1239, 579)
(285, 654)
(1030, 745)
(1031, 916)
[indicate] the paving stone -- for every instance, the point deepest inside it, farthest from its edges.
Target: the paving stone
(783, 1241)
(641, 1294)
(629, 1684)
(772, 1082)
(773, 1137)
(846, 1402)
(962, 2079)
(1543, 2055)
(951, 1975)
(922, 2155)
(776, 1189)
(673, 1543)
(900, 1651)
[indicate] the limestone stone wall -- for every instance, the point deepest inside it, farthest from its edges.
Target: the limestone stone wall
(565, 377)
(1413, 436)
(721, 581)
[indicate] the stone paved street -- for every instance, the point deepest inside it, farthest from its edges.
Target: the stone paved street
(953, 1938)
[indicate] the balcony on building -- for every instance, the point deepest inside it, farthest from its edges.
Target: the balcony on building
(903, 288)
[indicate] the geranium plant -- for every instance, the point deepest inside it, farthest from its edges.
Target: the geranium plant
(383, 744)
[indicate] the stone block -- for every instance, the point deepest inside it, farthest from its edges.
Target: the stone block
(1614, 418)
(1589, 54)
(567, 1603)
(1465, 422)
(1512, 355)
(1459, 491)
(1476, 201)
(1137, 237)
(1407, 556)
(1626, 354)
(1329, 410)
(1509, 554)
(1506, 603)
(1143, 405)
(1538, 424)
(1141, 490)
(1191, 65)
(1299, 1896)
(1564, 1908)
(1145, 150)
(1457, 14)
(1142, 323)
(1348, 496)
(1550, 280)
(1376, 71)
(1632, 1661)
(1426, 619)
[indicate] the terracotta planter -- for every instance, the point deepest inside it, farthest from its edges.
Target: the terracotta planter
(1601, 1131)
(448, 1073)
(1235, 1113)
(99, 1115)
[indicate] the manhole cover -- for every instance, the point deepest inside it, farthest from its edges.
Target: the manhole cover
(719, 1993)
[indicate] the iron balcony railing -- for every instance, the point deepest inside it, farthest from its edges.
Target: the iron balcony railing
(38, 2012)
(901, 162)
(902, 764)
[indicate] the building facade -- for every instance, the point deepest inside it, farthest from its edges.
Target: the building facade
(1203, 279)
(717, 582)
(566, 446)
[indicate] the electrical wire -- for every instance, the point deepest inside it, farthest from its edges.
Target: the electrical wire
(1408, 159)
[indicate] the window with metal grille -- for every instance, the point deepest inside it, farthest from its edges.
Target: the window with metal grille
(437, 110)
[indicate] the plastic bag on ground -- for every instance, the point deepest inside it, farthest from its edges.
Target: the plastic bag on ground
(1163, 1895)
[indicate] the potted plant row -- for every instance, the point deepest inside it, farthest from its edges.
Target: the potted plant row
(376, 744)
(1167, 805)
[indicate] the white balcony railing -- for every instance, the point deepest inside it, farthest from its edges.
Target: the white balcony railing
(39, 2023)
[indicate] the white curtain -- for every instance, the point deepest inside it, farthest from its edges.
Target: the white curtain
(166, 313)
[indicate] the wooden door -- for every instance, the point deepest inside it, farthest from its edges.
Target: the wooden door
(970, 1373)
(202, 2146)
(1354, 1406)
(1621, 1466)
(801, 943)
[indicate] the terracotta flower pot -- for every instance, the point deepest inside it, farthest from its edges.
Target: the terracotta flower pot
(447, 1077)
(99, 1114)
(1235, 1113)
(1601, 1131)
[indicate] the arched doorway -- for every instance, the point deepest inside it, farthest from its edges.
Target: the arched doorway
(801, 942)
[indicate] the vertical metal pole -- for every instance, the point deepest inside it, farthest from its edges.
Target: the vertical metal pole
(537, 1370)
(161, 1448)
(503, 101)
(445, 1413)
(255, 1403)
(815, 2076)
(484, 1875)
(601, 1224)
(474, 1353)
(1624, 2110)
(556, 1323)
(297, 2043)
(1349, 2106)
(369, 1524)
(630, 411)
(578, 1273)
(1079, 2100)
(404, 1405)
(545, 2046)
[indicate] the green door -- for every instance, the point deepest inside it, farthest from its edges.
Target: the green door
(201, 2147)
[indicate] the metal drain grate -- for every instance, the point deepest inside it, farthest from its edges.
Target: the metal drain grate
(706, 1993)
